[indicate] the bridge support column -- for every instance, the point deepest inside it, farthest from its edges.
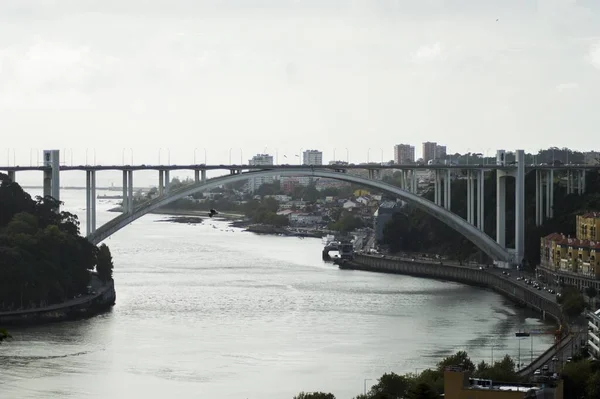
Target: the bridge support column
(203, 175)
(469, 192)
(11, 175)
(130, 191)
(437, 188)
(197, 176)
(125, 202)
(480, 201)
(88, 202)
(403, 179)
(167, 181)
(551, 183)
(501, 208)
(90, 197)
(52, 176)
(414, 182)
(580, 179)
(568, 182)
(520, 207)
(583, 181)
(448, 190)
(539, 197)
(548, 194)
(161, 182)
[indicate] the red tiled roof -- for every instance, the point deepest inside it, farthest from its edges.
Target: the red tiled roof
(591, 215)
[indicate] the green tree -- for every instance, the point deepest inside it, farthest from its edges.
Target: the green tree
(104, 265)
(4, 335)
(593, 385)
(390, 385)
(576, 376)
(591, 292)
(314, 395)
(460, 359)
(423, 391)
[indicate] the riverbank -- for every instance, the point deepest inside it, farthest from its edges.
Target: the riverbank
(187, 212)
(521, 294)
(102, 299)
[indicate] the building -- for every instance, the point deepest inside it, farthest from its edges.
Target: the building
(383, 215)
(458, 385)
(432, 150)
(255, 182)
(594, 333)
(404, 154)
(312, 157)
(588, 226)
(577, 258)
(428, 151)
(440, 151)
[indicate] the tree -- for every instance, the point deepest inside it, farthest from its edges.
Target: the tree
(591, 292)
(576, 376)
(314, 395)
(4, 335)
(593, 385)
(423, 391)
(104, 265)
(390, 385)
(460, 359)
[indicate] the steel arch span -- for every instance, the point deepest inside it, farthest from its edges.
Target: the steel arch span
(477, 237)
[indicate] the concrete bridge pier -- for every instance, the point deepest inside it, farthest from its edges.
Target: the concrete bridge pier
(196, 176)
(90, 196)
(501, 201)
(11, 175)
(130, 191)
(413, 181)
(583, 181)
(520, 207)
(480, 201)
(52, 174)
(448, 190)
(161, 182)
(203, 175)
(437, 188)
(167, 181)
(125, 202)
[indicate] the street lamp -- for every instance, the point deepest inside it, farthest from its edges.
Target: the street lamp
(86, 156)
(381, 155)
(334, 154)
(300, 156)
(368, 154)
(168, 155)
(365, 385)
(37, 153)
(196, 149)
(347, 155)
(241, 155)
(123, 155)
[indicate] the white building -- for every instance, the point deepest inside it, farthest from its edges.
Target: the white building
(594, 333)
(404, 154)
(312, 157)
(255, 182)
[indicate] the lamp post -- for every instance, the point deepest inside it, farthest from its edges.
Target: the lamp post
(168, 155)
(365, 385)
(37, 152)
(123, 154)
(368, 154)
(196, 149)
(334, 154)
(300, 156)
(86, 156)
(241, 155)
(381, 155)
(347, 155)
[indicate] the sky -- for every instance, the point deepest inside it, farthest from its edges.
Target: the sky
(174, 80)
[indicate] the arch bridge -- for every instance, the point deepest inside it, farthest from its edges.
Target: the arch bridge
(488, 245)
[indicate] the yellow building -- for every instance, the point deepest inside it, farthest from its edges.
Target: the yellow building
(588, 226)
(458, 385)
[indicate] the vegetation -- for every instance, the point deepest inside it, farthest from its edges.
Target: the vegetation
(416, 231)
(4, 335)
(581, 379)
(430, 382)
(43, 259)
(572, 301)
(346, 223)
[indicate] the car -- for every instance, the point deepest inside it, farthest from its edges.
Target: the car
(546, 367)
(537, 372)
(555, 359)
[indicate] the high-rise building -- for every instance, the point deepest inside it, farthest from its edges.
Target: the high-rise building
(429, 151)
(432, 150)
(403, 154)
(440, 151)
(255, 182)
(312, 157)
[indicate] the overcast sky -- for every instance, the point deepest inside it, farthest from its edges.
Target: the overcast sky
(295, 74)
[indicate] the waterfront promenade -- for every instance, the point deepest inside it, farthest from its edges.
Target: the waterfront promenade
(483, 276)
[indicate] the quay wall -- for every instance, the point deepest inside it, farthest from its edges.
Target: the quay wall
(88, 305)
(482, 277)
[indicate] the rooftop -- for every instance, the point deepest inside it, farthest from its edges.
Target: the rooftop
(591, 215)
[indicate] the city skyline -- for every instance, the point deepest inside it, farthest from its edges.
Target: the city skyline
(486, 74)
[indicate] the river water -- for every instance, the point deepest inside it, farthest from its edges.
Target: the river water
(207, 311)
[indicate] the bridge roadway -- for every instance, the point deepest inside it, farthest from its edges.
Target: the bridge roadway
(369, 166)
(565, 348)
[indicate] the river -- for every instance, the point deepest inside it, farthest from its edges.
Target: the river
(207, 311)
